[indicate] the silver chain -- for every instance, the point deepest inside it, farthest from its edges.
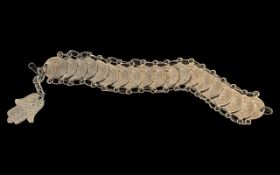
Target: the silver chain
(38, 79)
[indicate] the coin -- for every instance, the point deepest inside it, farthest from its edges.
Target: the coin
(247, 108)
(135, 78)
(224, 98)
(159, 77)
(236, 102)
(172, 77)
(55, 67)
(81, 70)
(123, 77)
(184, 73)
(102, 72)
(91, 67)
(259, 105)
(71, 69)
(112, 76)
(215, 89)
(196, 77)
(205, 83)
(147, 76)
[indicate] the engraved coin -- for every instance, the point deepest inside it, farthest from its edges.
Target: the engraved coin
(102, 72)
(196, 76)
(259, 105)
(50, 67)
(236, 102)
(224, 98)
(184, 73)
(147, 76)
(55, 67)
(159, 77)
(135, 78)
(62, 66)
(72, 68)
(91, 67)
(206, 82)
(215, 88)
(247, 109)
(123, 77)
(112, 76)
(81, 70)
(172, 77)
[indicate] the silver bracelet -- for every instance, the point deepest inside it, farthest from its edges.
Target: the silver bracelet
(139, 76)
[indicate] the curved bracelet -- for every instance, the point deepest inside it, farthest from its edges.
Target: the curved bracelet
(138, 76)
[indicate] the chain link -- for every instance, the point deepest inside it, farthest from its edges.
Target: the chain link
(38, 79)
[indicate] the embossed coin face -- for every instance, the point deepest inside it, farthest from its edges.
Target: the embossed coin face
(81, 70)
(247, 109)
(91, 67)
(135, 78)
(206, 82)
(147, 76)
(258, 106)
(123, 77)
(196, 77)
(215, 89)
(55, 67)
(224, 98)
(184, 73)
(72, 68)
(236, 102)
(112, 76)
(172, 77)
(159, 77)
(102, 72)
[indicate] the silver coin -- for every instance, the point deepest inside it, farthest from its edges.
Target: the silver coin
(102, 72)
(224, 98)
(112, 76)
(123, 77)
(247, 108)
(135, 78)
(172, 77)
(50, 67)
(55, 67)
(258, 106)
(72, 68)
(147, 76)
(236, 102)
(81, 70)
(91, 67)
(215, 89)
(159, 77)
(205, 83)
(196, 77)
(184, 73)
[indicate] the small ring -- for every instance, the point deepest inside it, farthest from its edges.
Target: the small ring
(268, 110)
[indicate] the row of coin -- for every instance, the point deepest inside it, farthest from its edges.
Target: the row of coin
(178, 75)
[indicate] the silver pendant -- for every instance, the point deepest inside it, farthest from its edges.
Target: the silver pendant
(26, 108)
